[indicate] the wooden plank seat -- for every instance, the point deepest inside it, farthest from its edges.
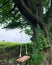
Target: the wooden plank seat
(23, 59)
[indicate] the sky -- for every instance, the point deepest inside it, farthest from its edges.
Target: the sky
(13, 35)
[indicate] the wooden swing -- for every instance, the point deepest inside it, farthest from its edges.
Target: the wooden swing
(25, 57)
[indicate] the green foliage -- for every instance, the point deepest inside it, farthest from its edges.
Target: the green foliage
(28, 30)
(41, 43)
(46, 3)
(51, 32)
(41, 40)
(8, 14)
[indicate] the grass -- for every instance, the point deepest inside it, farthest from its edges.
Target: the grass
(9, 44)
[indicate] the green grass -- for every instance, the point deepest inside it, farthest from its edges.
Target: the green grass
(9, 44)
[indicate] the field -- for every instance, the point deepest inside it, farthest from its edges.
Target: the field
(8, 44)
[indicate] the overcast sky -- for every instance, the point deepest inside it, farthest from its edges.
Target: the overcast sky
(13, 35)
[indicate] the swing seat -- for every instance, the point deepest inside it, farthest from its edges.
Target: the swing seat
(23, 59)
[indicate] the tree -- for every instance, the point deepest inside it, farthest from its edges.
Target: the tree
(23, 13)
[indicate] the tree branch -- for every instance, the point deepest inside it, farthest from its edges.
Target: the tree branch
(30, 15)
(4, 4)
(26, 11)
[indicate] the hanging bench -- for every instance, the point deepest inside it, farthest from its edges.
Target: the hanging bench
(23, 59)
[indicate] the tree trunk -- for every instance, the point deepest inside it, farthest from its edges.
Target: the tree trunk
(34, 19)
(34, 37)
(49, 24)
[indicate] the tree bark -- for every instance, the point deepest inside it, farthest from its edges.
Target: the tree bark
(34, 37)
(49, 24)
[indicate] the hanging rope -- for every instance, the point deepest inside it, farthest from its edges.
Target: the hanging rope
(26, 43)
(20, 55)
(26, 49)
